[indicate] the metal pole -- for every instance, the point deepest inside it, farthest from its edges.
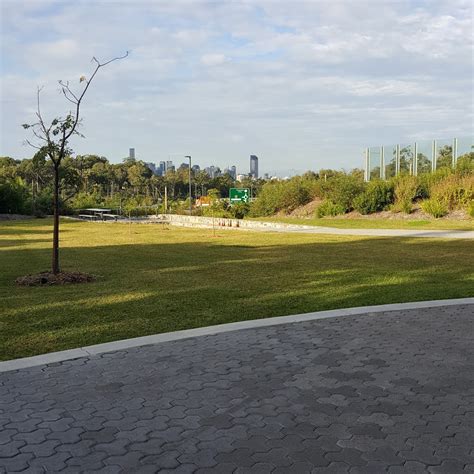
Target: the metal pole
(382, 162)
(190, 192)
(366, 175)
(397, 161)
(166, 199)
(368, 164)
(415, 159)
(433, 156)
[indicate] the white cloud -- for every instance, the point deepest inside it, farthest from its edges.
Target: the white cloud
(226, 79)
(213, 59)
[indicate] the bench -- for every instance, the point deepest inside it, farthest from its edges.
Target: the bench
(87, 216)
(112, 216)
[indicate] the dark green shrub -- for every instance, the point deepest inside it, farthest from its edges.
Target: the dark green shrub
(42, 204)
(276, 196)
(239, 211)
(342, 190)
(377, 196)
(13, 197)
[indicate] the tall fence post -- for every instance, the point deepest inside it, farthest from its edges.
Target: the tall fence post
(415, 159)
(367, 164)
(382, 162)
(397, 160)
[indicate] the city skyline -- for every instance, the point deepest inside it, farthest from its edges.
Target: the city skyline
(161, 167)
(311, 83)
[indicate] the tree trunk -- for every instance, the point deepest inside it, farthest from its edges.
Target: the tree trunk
(55, 259)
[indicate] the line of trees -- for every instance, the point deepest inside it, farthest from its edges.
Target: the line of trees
(91, 180)
(130, 186)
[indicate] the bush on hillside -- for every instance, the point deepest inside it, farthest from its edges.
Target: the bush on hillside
(470, 209)
(377, 196)
(328, 208)
(435, 207)
(276, 196)
(455, 191)
(465, 164)
(405, 190)
(342, 190)
(427, 180)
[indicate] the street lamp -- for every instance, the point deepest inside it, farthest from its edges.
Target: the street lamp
(190, 196)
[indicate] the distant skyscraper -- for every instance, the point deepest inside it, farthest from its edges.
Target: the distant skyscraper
(152, 167)
(233, 172)
(253, 166)
(162, 168)
(131, 153)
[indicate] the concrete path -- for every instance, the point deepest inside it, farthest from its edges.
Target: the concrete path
(307, 229)
(391, 392)
(436, 234)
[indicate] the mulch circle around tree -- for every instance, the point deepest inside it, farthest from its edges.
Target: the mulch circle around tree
(49, 278)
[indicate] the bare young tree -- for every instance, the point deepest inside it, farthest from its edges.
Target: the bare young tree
(54, 138)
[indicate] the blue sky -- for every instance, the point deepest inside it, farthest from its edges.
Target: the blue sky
(303, 85)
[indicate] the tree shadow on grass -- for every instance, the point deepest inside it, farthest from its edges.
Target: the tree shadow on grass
(21, 242)
(153, 288)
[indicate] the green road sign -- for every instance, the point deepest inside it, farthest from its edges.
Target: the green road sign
(237, 195)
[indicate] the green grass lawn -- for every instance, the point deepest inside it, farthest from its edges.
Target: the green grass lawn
(377, 223)
(155, 280)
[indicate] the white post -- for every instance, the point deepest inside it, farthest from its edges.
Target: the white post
(367, 164)
(415, 159)
(397, 161)
(382, 162)
(433, 156)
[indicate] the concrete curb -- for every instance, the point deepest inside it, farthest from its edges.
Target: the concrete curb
(52, 357)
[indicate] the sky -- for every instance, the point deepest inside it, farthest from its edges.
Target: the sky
(301, 84)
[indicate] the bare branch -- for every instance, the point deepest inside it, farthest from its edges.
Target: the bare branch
(111, 60)
(37, 135)
(31, 144)
(88, 83)
(67, 90)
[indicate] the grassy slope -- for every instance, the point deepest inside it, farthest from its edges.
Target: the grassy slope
(377, 223)
(155, 280)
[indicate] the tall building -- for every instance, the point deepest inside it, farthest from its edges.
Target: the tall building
(162, 168)
(131, 153)
(253, 166)
(151, 166)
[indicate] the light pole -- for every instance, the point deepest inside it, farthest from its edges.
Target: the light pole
(190, 197)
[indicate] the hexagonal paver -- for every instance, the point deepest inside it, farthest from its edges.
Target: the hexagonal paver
(390, 392)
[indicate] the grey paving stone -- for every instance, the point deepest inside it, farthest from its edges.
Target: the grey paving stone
(390, 392)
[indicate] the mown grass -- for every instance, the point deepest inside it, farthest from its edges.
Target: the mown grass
(377, 223)
(153, 280)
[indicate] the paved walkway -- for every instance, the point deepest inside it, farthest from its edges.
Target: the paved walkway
(392, 392)
(307, 229)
